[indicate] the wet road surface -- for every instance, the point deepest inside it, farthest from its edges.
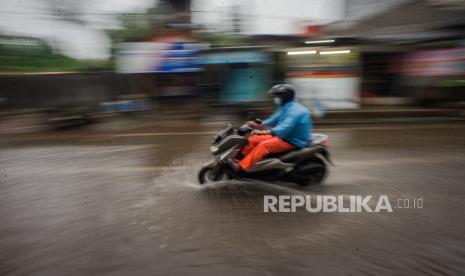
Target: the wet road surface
(76, 202)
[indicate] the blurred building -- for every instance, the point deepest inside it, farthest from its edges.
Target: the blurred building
(340, 54)
(426, 35)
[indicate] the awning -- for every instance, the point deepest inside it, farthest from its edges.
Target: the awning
(413, 20)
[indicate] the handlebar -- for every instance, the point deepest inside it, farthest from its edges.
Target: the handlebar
(243, 130)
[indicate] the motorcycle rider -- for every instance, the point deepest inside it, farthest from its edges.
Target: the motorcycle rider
(288, 128)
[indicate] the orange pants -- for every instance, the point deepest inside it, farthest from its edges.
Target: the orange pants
(261, 145)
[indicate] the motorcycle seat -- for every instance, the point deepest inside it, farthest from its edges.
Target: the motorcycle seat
(280, 154)
(299, 153)
(287, 154)
(291, 155)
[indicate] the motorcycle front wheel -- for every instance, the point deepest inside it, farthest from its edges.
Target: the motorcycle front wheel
(211, 174)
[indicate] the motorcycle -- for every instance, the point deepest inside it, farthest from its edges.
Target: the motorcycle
(304, 166)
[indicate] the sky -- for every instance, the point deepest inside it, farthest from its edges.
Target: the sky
(267, 16)
(75, 28)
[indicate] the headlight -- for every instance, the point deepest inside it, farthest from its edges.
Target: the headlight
(213, 149)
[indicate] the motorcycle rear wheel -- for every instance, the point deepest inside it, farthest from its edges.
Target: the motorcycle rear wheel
(312, 172)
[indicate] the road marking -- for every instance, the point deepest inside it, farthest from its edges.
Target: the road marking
(318, 129)
(330, 129)
(162, 134)
(393, 127)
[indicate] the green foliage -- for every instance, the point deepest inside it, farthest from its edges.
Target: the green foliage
(220, 40)
(21, 55)
(135, 27)
(36, 56)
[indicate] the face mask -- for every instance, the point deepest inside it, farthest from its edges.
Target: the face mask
(277, 100)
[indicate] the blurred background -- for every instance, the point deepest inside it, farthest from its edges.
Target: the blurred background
(108, 108)
(67, 63)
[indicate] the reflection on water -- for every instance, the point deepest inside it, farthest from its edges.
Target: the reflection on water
(132, 205)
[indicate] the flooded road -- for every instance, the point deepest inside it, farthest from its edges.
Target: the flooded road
(80, 202)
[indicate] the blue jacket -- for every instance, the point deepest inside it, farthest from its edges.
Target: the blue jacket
(292, 123)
